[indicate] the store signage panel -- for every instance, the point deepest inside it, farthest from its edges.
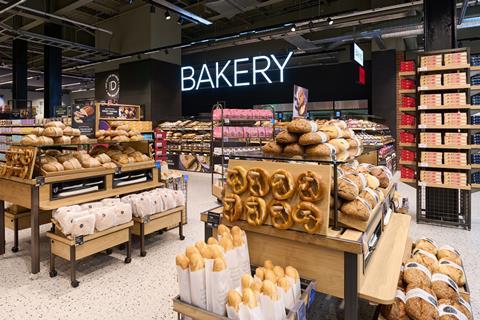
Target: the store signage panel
(112, 85)
(300, 100)
(84, 118)
(119, 111)
(231, 73)
(357, 54)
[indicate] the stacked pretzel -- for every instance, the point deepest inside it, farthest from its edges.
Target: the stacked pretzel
(328, 139)
(281, 184)
(18, 163)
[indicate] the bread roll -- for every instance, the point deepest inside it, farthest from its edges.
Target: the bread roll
(257, 287)
(452, 270)
(91, 163)
(454, 309)
(246, 281)
(182, 261)
(268, 264)
(72, 164)
(332, 131)
(234, 299)
(449, 253)
(284, 284)
(212, 240)
(109, 165)
(428, 245)
(53, 132)
(248, 298)
(236, 231)
(138, 137)
(416, 274)
(227, 243)
(302, 126)
(444, 287)
(219, 265)
(421, 303)
(100, 133)
(62, 140)
(272, 148)
(55, 124)
(396, 310)
(358, 208)
(279, 272)
(313, 138)
(426, 258)
(260, 273)
(270, 289)
(293, 149)
(196, 262)
(190, 250)
(347, 189)
(222, 229)
(270, 275)
(80, 139)
(200, 245)
(341, 145)
(237, 240)
(292, 273)
(372, 181)
(30, 140)
(286, 137)
(321, 150)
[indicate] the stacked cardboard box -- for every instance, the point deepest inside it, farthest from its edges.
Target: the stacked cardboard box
(455, 178)
(453, 79)
(408, 65)
(431, 80)
(476, 119)
(476, 158)
(431, 100)
(431, 119)
(455, 118)
(430, 157)
(431, 61)
(455, 158)
(455, 59)
(432, 138)
(407, 173)
(456, 138)
(434, 177)
(457, 98)
(407, 120)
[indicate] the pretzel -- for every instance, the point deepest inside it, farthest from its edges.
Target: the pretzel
(232, 207)
(237, 179)
(23, 174)
(310, 186)
(283, 185)
(309, 215)
(255, 210)
(281, 213)
(258, 182)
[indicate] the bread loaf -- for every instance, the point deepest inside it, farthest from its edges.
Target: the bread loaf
(72, 164)
(103, 158)
(38, 131)
(53, 132)
(286, 137)
(273, 148)
(45, 141)
(137, 138)
(62, 139)
(321, 150)
(80, 139)
(302, 126)
(47, 159)
(121, 139)
(313, 138)
(109, 165)
(293, 149)
(182, 261)
(52, 167)
(55, 124)
(234, 299)
(30, 140)
(64, 157)
(91, 163)
(68, 131)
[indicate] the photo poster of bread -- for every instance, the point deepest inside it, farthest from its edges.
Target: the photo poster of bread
(300, 100)
(84, 119)
(119, 112)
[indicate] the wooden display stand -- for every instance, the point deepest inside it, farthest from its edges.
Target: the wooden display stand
(158, 222)
(20, 221)
(345, 263)
(74, 249)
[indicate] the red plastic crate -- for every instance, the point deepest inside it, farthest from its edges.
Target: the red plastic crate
(408, 65)
(407, 120)
(407, 137)
(408, 102)
(407, 84)
(407, 155)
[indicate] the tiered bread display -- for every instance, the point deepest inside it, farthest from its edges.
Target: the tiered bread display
(54, 133)
(319, 139)
(432, 285)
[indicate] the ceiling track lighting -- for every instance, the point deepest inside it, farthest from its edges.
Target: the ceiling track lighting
(180, 20)
(293, 29)
(167, 15)
(329, 21)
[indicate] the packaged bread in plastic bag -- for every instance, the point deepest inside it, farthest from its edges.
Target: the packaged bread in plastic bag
(67, 220)
(58, 214)
(110, 201)
(91, 205)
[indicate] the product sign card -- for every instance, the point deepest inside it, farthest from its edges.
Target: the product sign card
(83, 118)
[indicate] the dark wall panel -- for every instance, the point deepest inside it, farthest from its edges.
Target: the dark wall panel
(325, 83)
(384, 87)
(440, 24)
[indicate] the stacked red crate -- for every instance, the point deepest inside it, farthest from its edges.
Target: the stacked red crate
(408, 65)
(407, 120)
(407, 155)
(408, 102)
(407, 173)
(407, 84)
(407, 137)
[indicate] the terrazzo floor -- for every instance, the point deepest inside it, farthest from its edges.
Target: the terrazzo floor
(144, 288)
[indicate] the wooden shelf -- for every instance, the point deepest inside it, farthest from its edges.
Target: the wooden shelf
(475, 186)
(475, 166)
(443, 166)
(444, 107)
(442, 146)
(407, 73)
(475, 146)
(408, 180)
(456, 87)
(475, 107)
(444, 186)
(408, 163)
(407, 91)
(475, 68)
(381, 278)
(407, 127)
(475, 88)
(408, 145)
(444, 68)
(13, 133)
(408, 109)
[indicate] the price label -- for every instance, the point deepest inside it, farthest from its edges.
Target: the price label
(422, 107)
(227, 121)
(423, 69)
(423, 164)
(422, 145)
(423, 88)
(422, 126)
(78, 240)
(213, 219)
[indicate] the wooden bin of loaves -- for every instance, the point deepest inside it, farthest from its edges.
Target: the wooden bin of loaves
(157, 222)
(300, 235)
(75, 249)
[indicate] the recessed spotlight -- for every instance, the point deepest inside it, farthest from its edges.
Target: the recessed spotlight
(293, 29)
(167, 15)
(329, 21)
(180, 20)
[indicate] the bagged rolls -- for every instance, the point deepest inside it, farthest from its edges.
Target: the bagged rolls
(219, 288)
(105, 218)
(123, 213)
(183, 275)
(286, 292)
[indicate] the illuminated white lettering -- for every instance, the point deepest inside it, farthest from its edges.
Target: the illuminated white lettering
(190, 77)
(262, 71)
(220, 74)
(201, 80)
(281, 66)
(236, 72)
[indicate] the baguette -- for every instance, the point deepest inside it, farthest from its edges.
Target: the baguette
(182, 261)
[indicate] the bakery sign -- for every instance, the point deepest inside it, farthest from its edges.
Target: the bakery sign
(235, 73)
(112, 85)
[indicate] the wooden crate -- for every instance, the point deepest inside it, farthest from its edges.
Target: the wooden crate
(23, 219)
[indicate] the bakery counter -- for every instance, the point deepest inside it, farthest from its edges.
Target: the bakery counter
(344, 263)
(49, 193)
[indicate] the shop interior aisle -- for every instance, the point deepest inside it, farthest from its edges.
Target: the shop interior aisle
(144, 288)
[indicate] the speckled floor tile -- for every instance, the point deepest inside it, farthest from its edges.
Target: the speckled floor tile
(144, 288)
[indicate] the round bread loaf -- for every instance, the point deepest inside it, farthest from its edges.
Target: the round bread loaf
(421, 303)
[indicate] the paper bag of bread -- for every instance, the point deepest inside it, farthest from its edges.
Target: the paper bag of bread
(105, 218)
(183, 277)
(240, 246)
(69, 219)
(286, 292)
(197, 280)
(123, 212)
(209, 253)
(235, 308)
(231, 258)
(273, 307)
(59, 213)
(293, 277)
(83, 225)
(219, 286)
